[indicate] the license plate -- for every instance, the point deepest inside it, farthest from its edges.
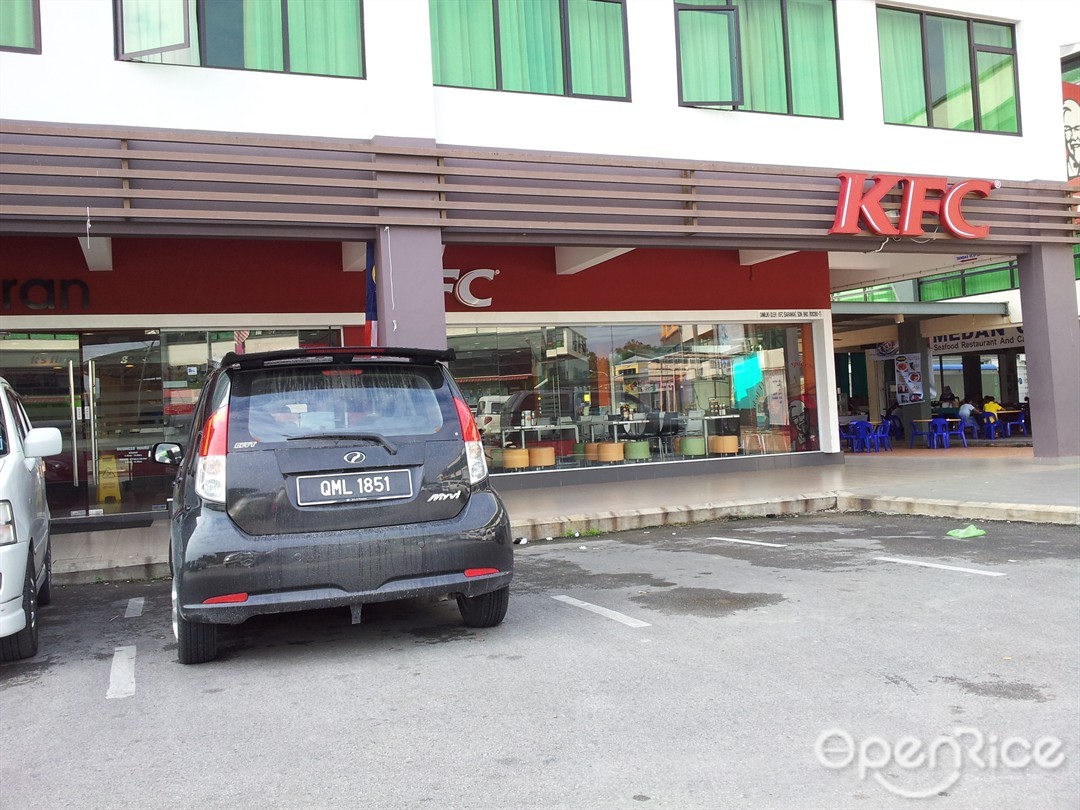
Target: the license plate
(313, 490)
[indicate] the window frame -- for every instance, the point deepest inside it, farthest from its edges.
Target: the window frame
(36, 47)
(200, 22)
(974, 49)
(736, 53)
(565, 49)
(737, 67)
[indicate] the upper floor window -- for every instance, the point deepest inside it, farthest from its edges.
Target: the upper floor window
(321, 37)
(556, 47)
(20, 26)
(947, 72)
(776, 56)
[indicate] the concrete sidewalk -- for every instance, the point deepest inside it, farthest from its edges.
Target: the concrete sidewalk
(976, 483)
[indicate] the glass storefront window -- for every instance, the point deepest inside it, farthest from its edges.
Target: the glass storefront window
(112, 394)
(648, 392)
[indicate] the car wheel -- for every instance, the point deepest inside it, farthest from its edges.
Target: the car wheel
(196, 642)
(44, 596)
(485, 610)
(24, 644)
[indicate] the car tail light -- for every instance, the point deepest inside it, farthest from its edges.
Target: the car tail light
(7, 524)
(474, 450)
(480, 572)
(210, 465)
(227, 599)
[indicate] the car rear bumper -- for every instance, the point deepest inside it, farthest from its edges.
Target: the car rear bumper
(13, 559)
(290, 572)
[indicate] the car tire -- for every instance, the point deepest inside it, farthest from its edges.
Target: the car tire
(44, 596)
(485, 610)
(196, 642)
(24, 644)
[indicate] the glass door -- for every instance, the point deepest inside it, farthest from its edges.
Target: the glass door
(44, 368)
(125, 415)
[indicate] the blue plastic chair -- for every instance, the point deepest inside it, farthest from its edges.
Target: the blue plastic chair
(992, 427)
(1020, 424)
(916, 432)
(865, 437)
(883, 434)
(847, 434)
(938, 435)
(958, 430)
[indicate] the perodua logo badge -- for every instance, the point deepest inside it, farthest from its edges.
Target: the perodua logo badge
(355, 458)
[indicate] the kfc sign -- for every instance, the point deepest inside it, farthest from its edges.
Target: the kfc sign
(921, 195)
(460, 285)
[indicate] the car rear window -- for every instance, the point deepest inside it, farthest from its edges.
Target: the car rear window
(279, 404)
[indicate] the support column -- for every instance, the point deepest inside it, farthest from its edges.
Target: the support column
(1052, 344)
(973, 387)
(912, 342)
(412, 309)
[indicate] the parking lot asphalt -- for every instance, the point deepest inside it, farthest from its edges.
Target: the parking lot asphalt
(976, 483)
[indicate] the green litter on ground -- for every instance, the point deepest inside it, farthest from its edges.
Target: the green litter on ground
(966, 532)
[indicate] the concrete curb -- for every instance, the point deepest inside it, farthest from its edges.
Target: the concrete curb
(87, 571)
(964, 510)
(542, 528)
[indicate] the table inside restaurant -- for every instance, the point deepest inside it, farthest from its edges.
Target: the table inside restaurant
(538, 429)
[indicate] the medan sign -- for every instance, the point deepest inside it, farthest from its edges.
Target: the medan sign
(860, 203)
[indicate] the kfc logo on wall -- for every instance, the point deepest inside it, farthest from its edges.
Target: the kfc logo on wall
(460, 285)
(858, 203)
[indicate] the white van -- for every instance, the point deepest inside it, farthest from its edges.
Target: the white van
(489, 417)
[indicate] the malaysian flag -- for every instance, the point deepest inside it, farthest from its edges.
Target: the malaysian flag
(371, 305)
(239, 338)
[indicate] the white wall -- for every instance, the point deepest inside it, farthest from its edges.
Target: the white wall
(76, 80)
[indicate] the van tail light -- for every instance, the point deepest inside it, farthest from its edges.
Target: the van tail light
(210, 465)
(474, 450)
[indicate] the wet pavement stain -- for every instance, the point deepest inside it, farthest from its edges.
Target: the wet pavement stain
(540, 573)
(1010, 690)
(704, 602)
(19, 673)
(440, 635)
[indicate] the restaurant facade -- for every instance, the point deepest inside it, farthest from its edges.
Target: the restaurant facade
(625, 312)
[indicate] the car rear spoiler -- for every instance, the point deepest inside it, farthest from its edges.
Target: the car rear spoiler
(345, 354)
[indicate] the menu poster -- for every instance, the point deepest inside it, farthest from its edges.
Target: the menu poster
(909, 379)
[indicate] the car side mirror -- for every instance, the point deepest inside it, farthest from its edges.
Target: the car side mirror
(166, 453)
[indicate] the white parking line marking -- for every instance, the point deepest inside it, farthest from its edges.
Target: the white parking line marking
(749, 542)
(122, 676)
(134, 608)
(611, 614)
(939, 565)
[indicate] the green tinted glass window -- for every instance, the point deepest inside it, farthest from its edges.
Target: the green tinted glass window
(947, 72)
(597, 53)
(707, 56)
(938, 288)
(989, 281)
(760, 55)
(530, 40)
(319, 37)
(19, 25)
(324, 37)
(949, 55)
(463, 43)
(997, 97)
(554, 47)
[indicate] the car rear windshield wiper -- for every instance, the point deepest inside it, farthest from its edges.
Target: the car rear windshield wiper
(371, 437)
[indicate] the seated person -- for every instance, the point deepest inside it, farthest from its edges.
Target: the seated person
(969, 415)
(991, 408)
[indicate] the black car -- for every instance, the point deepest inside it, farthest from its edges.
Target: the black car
(318, 478)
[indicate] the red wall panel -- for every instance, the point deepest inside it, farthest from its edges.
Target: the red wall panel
(161, 276)
(643, 279)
